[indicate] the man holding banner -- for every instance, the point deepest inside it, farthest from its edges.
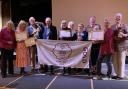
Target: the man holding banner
(48, 32)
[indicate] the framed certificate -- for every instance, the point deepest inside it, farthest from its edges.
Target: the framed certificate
(21, 36)
(96, 35)
(30, 42)
(65, 33)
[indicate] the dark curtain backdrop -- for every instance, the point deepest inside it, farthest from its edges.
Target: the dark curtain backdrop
(23, 9)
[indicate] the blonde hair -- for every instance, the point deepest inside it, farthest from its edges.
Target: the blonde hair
(10, 25)
(106, 20)
(70, 23)
(22, 24)
(81, 24)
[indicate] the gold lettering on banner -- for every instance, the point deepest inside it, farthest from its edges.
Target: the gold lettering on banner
(85, 52)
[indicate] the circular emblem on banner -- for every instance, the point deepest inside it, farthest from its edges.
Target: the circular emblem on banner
(62, 51)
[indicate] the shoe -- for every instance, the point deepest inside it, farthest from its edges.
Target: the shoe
(114, 77)
(23, 72)
(4, 76)
(33, 70)
(117, 77)
(52, 73)
(99, 78)
(120, 78)
(108, 75)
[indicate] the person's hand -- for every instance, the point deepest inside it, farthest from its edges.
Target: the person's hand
(120, 35)
(124, 35)
(38, 29)
(9, 42)
(34, 32)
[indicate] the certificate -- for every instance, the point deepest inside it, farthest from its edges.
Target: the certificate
(21, 36)
(30, 42)
(65, 33)
(96, 35)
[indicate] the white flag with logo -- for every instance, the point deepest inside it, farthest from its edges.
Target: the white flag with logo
(64, 53)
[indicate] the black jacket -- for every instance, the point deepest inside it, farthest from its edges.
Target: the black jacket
(52, 34)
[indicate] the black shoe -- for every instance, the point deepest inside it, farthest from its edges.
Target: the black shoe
(117, 77)
(120, 78)
(11, 73)
(114, 77)
(33, 70)
(109, 75)
(4, 76)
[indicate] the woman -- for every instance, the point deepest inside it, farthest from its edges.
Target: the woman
(106, 50)
(7, 45)
(22, 52)
(65, 33)
(80, 34)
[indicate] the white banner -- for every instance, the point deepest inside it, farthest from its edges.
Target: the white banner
(64, 53)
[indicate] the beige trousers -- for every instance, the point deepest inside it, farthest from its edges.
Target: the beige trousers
(33, 56)
(119, 62)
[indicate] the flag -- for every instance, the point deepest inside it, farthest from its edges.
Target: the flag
(64, 53)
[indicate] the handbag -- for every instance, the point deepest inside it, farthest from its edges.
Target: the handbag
(30, 42)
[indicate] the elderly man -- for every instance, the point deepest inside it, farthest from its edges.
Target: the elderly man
(48, 32)
(95, 46)
(120, 44)
(33, 31)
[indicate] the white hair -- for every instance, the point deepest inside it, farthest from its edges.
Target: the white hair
(119, 14)
(70, 23)
(31, 18)
(47, 19)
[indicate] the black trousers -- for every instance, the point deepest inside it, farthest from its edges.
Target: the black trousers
(94, 56)
(7, 61)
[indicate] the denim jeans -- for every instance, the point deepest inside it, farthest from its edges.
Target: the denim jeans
(107, 59)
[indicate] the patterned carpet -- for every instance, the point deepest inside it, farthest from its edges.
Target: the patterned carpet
(47, 81)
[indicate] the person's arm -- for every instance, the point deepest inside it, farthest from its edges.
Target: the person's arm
(2, 39)
(55, 33)
(74, 37)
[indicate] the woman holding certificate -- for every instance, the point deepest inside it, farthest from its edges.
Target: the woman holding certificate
(80, 34)
(7, 45)
(22, 52)
(65, 33)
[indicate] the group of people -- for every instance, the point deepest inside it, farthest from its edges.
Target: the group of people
(112, 48)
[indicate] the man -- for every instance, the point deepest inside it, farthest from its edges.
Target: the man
(95, 46)
(48, 32)
(106, 50)
(120, 44)
(33, 31)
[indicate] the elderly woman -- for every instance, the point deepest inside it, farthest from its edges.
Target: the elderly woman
(7, 45)
(65, 33)
(80, 34)
(22, 52)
